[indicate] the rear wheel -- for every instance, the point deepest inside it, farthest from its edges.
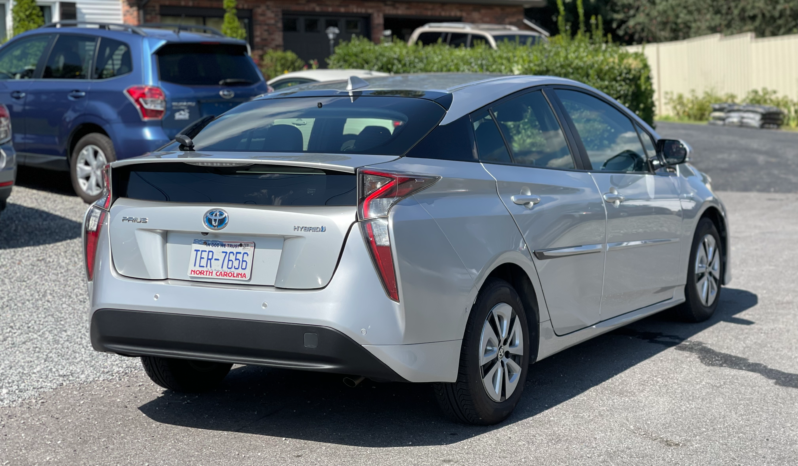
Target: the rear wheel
(86, 164)
(183, 375)
(494, 359)
(705, 269)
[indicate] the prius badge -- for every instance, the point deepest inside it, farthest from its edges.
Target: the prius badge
(215, 219)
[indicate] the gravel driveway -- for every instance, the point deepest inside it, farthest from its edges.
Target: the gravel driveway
(657, 392)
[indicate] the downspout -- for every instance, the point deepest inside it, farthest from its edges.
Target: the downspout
(142, 4)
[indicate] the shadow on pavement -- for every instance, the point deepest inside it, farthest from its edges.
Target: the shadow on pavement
(319, 408)
(45, 180)
(22, 227)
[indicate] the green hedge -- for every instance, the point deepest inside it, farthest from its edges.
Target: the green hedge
(621, 74)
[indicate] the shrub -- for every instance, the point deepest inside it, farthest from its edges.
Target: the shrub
(231, 26)
(619, 73)
(26, 15)
(696, 107)
(277, 62)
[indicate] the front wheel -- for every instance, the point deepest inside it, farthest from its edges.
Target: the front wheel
(86, 164)
(704, 274)
(494, 359)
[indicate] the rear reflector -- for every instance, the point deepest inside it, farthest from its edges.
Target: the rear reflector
(6, 184)
(379, 191)
(149, 100)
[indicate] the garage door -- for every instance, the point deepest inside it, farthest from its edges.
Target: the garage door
(304, 34)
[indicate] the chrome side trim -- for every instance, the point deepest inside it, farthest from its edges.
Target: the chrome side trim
(554, 253)
(637, 244)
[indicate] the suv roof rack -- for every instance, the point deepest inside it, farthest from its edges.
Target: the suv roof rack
(479, 26)
(106, 26)
(183, 27)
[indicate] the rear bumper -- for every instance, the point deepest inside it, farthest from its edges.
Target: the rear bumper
(238, 341)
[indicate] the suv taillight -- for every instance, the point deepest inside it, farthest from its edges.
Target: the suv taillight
(5, 124)
(378, 192)
(150, 100)
(93, 223)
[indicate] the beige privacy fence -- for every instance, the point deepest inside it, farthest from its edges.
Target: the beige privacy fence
(733, 64)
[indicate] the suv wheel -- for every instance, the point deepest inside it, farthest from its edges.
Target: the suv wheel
(182, 375)
(86, 164)
(704, 274)
(494, 359)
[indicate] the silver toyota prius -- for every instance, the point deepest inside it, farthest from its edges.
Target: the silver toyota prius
(450, 229)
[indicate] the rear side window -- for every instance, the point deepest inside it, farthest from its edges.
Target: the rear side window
(331, 125)
(450, 142)
(257, 184)
(70, 57)
(206, 65)
(490, 144)
(113, 59)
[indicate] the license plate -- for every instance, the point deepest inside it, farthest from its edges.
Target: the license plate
(227, 260)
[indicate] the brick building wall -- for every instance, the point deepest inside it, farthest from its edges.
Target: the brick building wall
(267, 14)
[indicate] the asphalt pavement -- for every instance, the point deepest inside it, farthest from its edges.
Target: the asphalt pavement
(657, 392)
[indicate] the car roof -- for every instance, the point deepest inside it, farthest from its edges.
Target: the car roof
(328, 75)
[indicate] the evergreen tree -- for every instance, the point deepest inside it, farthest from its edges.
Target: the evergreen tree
(231, 27)
(26, 15)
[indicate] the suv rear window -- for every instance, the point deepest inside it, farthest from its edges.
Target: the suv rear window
(206, 65)
(331, 125)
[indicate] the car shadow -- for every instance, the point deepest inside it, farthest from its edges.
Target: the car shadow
(22, 227)
(57, 182)
(319, 408)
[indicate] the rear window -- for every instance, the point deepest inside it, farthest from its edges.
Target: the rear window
(249, 184)
(206, 65)
(332, 125)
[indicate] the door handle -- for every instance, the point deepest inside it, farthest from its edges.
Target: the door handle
(18, 95)
(77, 94)
(527, 201)
(614, 197)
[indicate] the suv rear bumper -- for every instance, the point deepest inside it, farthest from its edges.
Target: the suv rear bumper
(238, 341)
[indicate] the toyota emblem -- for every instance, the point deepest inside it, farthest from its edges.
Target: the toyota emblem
(215, 219)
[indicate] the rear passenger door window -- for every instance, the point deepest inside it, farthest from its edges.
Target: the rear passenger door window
(429, 38)
(608, 136)
(533, 132)
(113, 59)
(70, 57)
(457, 39)
(490, 145)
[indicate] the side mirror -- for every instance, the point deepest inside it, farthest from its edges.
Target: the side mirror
(673, 152)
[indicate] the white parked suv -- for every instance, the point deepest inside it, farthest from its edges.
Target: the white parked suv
(468, 34)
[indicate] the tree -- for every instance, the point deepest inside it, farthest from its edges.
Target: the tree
(26, 15)
(231, 27)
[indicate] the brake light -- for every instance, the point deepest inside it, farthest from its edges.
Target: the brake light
(149, 100)
(93, 222)
(5, 123)
(378, 192)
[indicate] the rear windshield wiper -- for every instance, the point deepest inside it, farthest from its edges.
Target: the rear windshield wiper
(234, 81)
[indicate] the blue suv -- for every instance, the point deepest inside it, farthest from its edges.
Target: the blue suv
(84, 94)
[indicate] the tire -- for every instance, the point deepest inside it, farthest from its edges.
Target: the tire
(468, 400)
(182, 375)
(700, 301)
(85, 168)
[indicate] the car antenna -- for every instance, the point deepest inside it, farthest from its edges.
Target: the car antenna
(186, 144)
(353, 84)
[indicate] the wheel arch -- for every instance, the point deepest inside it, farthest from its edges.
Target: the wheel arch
(81, 130)
(719, 220)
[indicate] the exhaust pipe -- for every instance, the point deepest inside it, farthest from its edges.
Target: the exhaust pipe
(353, 382)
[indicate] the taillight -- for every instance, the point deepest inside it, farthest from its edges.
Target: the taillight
(92, 224)
(5, 124)
(149, 100)
(378, 192)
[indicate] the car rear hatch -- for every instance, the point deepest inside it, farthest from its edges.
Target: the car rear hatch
(205, 78)
(296, 216)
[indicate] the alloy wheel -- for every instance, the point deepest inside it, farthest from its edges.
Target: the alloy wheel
(88, 169)
(707, 270)
(501, 350)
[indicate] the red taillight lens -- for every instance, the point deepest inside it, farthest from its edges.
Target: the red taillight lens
(92, 224)
(5, 123)
(150, 100)
(379, 191)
